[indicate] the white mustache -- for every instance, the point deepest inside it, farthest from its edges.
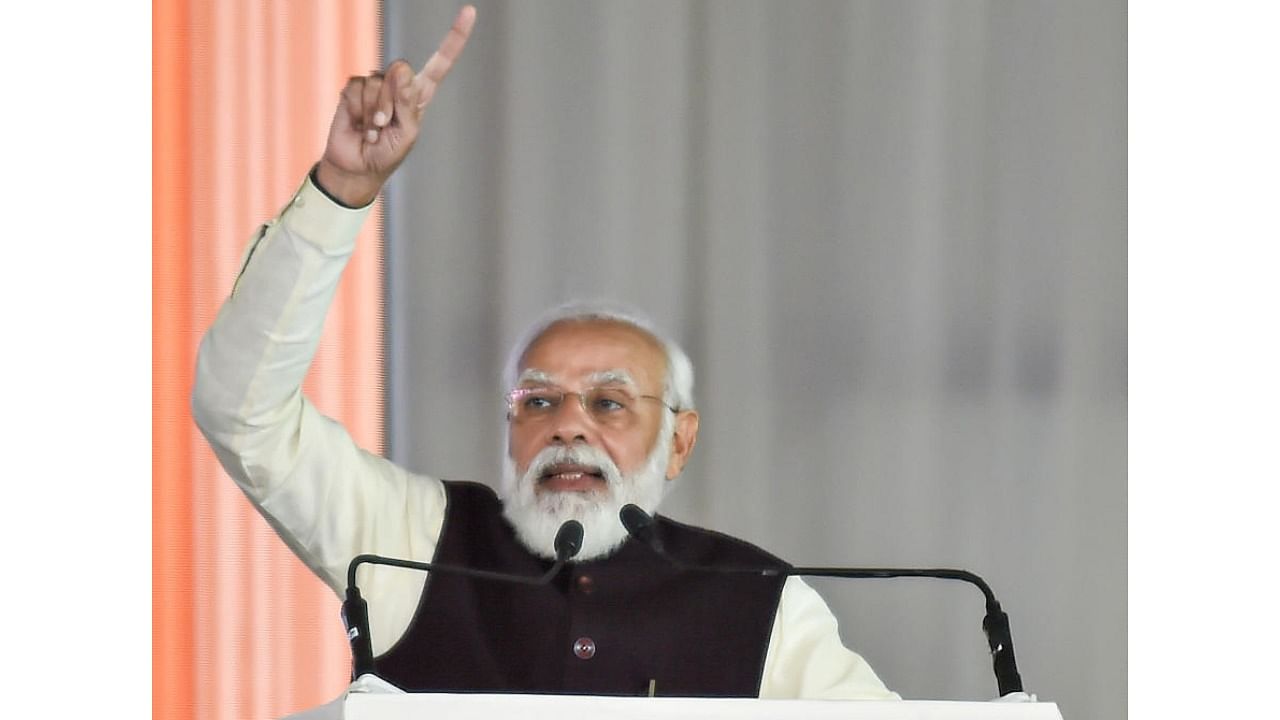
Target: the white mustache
(573, 455)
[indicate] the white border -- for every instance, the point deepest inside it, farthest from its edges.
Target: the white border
(1204, 358)
(76, 299)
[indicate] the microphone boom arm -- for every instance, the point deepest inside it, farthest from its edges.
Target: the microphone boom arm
(355, 610)
(640, 525)
(995, 625)
(431, 567)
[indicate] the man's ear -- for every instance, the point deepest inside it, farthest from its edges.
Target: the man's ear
(686, 436)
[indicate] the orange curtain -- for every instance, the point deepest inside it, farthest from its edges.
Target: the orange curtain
(242, 97)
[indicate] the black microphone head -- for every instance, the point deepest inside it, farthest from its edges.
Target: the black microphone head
(640, 525)
(568, 540)
(636, 521)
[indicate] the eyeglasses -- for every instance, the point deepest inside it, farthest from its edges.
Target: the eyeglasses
(610, 406)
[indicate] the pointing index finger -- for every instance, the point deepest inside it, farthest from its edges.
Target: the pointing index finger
(450, 48)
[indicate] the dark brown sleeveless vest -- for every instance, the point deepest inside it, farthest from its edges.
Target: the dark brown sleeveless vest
(606, 627)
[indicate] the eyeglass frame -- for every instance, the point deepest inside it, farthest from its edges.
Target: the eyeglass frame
(513, 395)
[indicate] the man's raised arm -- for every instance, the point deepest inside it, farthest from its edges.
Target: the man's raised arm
(300, 469)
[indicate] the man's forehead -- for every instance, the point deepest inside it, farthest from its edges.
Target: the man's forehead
(596, 351)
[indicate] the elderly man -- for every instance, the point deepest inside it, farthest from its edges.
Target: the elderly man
(600, 415)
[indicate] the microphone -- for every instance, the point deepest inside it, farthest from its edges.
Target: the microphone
(568, 540)
(640, 525)
(995, 625)
(355, 610)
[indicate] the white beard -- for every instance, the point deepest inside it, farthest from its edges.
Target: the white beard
(537, 517)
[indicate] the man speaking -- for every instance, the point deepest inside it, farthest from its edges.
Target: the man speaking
(601, 415)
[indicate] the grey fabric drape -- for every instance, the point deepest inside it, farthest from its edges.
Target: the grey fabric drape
(890, 234)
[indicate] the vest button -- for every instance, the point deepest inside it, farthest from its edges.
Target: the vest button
(584, 647)
(586, 585)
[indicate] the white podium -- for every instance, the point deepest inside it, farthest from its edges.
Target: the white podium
(363, 702)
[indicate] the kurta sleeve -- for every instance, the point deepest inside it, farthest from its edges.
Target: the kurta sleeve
(327, 498)
(806, 658)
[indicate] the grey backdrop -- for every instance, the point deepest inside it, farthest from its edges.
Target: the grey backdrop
(891, 236)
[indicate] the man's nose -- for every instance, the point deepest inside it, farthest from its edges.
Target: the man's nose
(571, 422)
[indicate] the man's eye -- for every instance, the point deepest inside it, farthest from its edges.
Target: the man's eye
(609, 404)
(538, 402)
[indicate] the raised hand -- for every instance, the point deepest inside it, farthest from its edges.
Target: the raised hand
(378, 118)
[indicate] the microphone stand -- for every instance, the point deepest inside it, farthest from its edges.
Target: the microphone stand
(995, 625)
(355, 610)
